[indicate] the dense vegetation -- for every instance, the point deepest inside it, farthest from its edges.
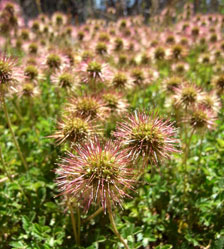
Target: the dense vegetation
(112, 134)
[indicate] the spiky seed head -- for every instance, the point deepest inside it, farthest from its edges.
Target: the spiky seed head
(88, 107)
(123, 24)
(180, 68)
(187, 95)
(104, 37)
(120, 80)
(213, 38)
(35, 27)
(145, 59)
(58, 19)
(184, 41)
(170, 39)
(154, 43)
(96, 173)
(118, 44)
(4, 28)
(205, 58)
(33, 48)
(115, 102)
(195, 31)
(45, 29)
(81, 35)
(159, 53)
(222, 46)
(172, 83)
(9, 72)
(94, 68)
(31, 72)
(218, 82)
(147, 136)
(210, 101)
(122, 60)
(10, 7)
(110, 100)
(138, 76)
(87, 55)
(101, 48)
(53, 61)
(74, 129)
(28, 89)
(5, 71)
(25, 34)
(201, 118)
(66, 80)
(177, 52)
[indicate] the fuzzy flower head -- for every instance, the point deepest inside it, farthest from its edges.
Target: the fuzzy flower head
(187, 95)
(59, 19)
(88, 107)
(118, 44)
(159, 54)
(180, 68)
(206, 58)
(115, 102)
(64, 78)
(172, 83)
(218, 83)
(201, 118)
(147, 136)
(210, 101)
(9, 72)
(74, 129)
(138, 76)
(121, 80)
(177, 52)
(94, 70)
(55, 61)
(170, 39)
(96, 173)
(11, 7)
(101, 48)
(31, 72)
(27, 89)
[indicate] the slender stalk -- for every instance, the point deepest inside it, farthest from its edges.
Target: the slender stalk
(79, 224)
(92, 216)
(186, 154)
(5, 166)
(200, 152)
(17, 111)
(12, 132)
(73, 222)
(113, 224)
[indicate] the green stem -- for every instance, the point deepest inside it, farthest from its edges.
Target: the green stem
(186, 154)
(73, 222)
(113, 224)
(12, 132)
(5, 166)
(79, 224)
(92, 216)
(200, 152)
(17, 111)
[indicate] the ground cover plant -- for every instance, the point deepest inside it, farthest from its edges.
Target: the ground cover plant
(112, 133)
